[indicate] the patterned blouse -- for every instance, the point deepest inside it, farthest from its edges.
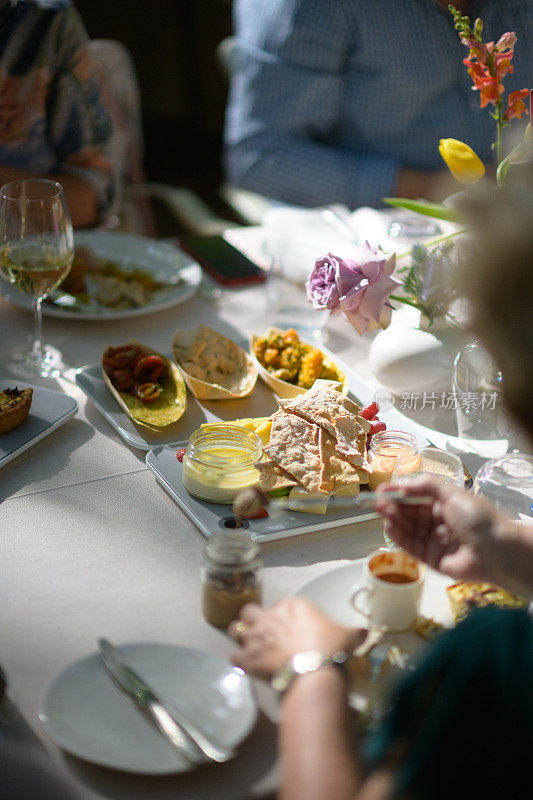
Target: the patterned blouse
(51, 117)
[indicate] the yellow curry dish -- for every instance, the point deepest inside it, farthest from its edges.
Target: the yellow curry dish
(291, 366)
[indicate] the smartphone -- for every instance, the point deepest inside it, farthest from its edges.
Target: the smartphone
(223, 259)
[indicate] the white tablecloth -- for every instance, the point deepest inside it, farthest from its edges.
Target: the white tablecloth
(92, 546)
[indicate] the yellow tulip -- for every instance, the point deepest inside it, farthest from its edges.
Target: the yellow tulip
(463, 163)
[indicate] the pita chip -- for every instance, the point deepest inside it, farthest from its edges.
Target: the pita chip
(272, 477)
(337, 472)
(294, 447)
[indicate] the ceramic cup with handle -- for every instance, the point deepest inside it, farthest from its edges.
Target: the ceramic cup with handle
(391, 591)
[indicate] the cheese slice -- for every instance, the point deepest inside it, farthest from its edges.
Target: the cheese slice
(299, 500)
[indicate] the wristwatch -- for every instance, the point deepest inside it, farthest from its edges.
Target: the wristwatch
(304, 662)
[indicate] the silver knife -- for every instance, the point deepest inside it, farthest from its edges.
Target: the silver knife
(175, 727)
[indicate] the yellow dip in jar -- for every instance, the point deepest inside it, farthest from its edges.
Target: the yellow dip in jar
(219, 462)
(385, 447)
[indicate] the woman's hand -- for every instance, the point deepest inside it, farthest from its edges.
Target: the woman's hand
(268, 638)
(458, 534)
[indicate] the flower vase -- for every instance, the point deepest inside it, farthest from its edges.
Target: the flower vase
(412, 355)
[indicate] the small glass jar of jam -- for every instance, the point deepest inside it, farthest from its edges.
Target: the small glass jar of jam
(231, 576)
(219, 462)
(385, 447)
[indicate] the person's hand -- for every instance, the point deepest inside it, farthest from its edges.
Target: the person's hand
(268, 638)
(457, 534)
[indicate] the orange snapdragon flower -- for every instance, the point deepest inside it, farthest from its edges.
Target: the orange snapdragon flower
(488, 63)
(489, 93)
(516, 105)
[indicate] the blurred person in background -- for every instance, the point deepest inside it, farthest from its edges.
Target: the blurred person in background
(52, 121)
(346, 102)
(460, 725)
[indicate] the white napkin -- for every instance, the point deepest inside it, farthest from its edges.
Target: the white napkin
(296, 237)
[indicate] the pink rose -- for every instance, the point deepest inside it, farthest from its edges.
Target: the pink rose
(358, 287)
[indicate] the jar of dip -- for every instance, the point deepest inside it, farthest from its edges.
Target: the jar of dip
(219, 462)
(385, 447)
(231, 576)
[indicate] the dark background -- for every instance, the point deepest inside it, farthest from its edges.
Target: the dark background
(183, 86)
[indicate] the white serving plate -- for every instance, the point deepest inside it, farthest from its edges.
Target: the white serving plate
(162, 259)
(49, 410)
(86, 715)
(332, 592)
(90, 381)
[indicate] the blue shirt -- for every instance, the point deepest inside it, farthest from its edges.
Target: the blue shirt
(330, 98)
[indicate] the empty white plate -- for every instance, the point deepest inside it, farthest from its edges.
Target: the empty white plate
(86, 715)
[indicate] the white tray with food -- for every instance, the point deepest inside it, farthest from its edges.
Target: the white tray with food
(28, 414)
(91, 380)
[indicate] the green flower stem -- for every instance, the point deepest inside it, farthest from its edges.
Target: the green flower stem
(499, 119)
(433, 242)
(405, 301)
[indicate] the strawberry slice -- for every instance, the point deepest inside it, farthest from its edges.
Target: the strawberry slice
(376, 426)
(369, 411)
(180, 453)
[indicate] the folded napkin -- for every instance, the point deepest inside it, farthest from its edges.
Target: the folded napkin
(296, 237)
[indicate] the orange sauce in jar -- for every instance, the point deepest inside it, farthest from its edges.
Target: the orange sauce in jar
(385, 447)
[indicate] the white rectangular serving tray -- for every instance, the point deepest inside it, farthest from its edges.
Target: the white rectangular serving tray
(90, 380)
(49, 410)
(213, 517)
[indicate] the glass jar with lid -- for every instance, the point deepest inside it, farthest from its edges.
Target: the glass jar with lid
(384, 449)
(231, 576)
(219, 462)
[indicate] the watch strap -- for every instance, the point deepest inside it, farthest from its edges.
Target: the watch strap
(304, 662)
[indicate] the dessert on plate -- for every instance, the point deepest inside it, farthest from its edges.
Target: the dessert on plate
(14, 407)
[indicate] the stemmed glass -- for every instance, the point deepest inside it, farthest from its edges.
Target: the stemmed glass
(507, 482)
(36, 251)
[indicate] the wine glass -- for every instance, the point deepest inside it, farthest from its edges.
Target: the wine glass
(507, 482)
(36, 251)
(427, 461)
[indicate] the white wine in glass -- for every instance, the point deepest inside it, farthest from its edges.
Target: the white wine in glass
(36, 251)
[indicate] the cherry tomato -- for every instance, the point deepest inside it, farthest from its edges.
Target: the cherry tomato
(262, 512)
(369, 411)
(122, 379)
(148, 392)
(180, 453)
(120, 357)
(148, 368)
(376, 426)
